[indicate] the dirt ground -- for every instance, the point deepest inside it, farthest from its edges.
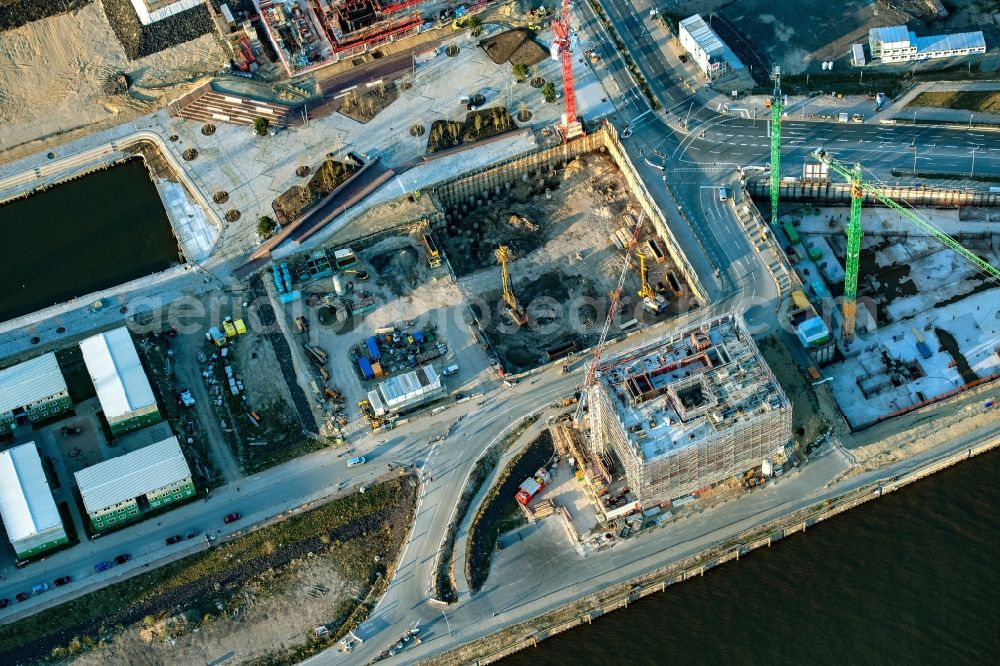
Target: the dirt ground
(251, 627)
(973, 100)
(564, 266)
(54, 72)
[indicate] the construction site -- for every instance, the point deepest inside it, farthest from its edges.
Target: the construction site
(561, 237)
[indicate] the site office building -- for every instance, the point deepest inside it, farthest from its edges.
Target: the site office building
(685, 413)
(32, 391)
(122, 489)
(120, 381)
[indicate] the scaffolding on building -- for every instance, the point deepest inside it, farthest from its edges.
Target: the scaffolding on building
(685, 413)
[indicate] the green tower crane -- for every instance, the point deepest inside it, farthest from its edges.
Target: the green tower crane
(775, 145)
(859, 189)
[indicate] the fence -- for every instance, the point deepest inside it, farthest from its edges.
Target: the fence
(798, 190)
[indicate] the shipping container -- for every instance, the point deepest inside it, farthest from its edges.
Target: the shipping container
(656, 249)
(800, 300)
(377, 369)
(675, 284)
(366, 368)
(372, 344)
(793, 235)
(924, 350)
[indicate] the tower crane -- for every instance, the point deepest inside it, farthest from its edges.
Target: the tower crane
(644, 291)
(776, 111)
(591, 375)
(562, 50)
(514, 310)
(859, 188)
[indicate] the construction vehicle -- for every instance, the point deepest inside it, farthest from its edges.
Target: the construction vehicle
(315, 353)
(859, 189)
(433, 252)
(645, 291)
(302, 324)
(361, 275)
(562, 50)
(591, 376)
(514, 311)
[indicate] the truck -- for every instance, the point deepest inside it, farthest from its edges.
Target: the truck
(532, 486)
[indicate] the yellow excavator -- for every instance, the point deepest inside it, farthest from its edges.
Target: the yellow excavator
(645, 291)
(514, 310)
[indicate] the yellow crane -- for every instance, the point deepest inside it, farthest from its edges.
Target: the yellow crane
(514, 310)
(645, 291)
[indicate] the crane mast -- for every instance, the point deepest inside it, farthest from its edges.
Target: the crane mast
(776, 110)
(562, 50)
(591, 375)
(859, 188)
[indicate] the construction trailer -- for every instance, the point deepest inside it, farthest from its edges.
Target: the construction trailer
(689, 411)
(406, 392)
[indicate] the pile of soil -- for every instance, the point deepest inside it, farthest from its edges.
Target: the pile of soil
(514, 46)
(15, 13)
(140, 40)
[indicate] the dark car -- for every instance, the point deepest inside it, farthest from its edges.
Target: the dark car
(231, 518)
(122, 559)
(63, 580)
(192, 533)
(4, 603)
(171, 540)
(22, 596)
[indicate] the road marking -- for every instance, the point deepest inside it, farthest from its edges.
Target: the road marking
(951, 146)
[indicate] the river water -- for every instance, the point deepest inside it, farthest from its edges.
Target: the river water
(82, 236)
(911, 578)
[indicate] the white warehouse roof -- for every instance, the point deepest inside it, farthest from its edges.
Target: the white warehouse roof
(406, 387)
(32, 380)
(114, 366)
(26, 503)
(954, 42)
(702, 34)
(126, 477)
(891, 34)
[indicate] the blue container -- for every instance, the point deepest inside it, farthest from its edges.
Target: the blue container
(372, 345)
(366, 368)
(418, 337)
(924, 350)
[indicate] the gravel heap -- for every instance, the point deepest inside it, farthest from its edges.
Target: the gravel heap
(140, 40)
(15, 13)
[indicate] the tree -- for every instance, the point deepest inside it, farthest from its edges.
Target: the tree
(266, 226)
(520, 71)
(260, 126)
(475, 25)
(549, 92)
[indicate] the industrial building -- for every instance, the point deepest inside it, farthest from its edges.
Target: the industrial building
(406, 392)
(896, 44)
(32, 391)
(29, 513)
(120, 381)
(710, 53)
(121, 489)
(684, 413)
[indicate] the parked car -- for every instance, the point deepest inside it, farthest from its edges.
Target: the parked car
(231, 518)
(123, 558)
(171, 540)
(191, 533)
(360, 460)
(4, 603)
(63, 580)
(41, 587)
(22, 596)
(102, 566)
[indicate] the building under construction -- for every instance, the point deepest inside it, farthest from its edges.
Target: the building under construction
(689, 411)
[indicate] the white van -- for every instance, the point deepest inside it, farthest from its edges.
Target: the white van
(450, 370)
(722, 194)
(360, 460)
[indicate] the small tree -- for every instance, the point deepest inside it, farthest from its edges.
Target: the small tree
(549, 92)
(475, 25)
(266, 226)
(260, 126)
(520, 71)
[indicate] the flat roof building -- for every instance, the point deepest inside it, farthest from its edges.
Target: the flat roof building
(710, 53)
(686, 412)
(895, 43)
(32, 391)
(407, 391)
(121, 489)
(120, 381)
(29, 513)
